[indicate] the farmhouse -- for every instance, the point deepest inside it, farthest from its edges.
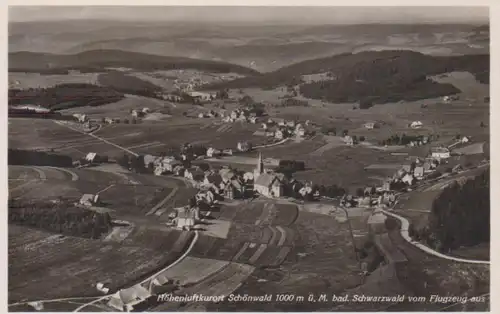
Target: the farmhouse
(369, 125)
(124, 300)
(137, 114)
(418, 172)
(91, 157)
(227, 174)
(244, 146)
(280, 134)
(408, 179)
(465, 139)
(300, 130)
(265, 126)
(253, 120)
(194, 174)
(213, 180)
(187, 217)
(80, 117)
(213, 152)
(440, 153)
(416, 125)
(179, 170)
(89, 200)
(169, 163)
(201, 96)
(348, 140)
(267, 184)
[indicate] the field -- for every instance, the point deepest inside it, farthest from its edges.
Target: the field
(35, 80)
(73, 266)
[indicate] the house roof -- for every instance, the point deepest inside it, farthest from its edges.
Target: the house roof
(439, 150)
(133, 294)
(87, 197)
(266, 179)
(214, 179)
(90, 156)
(226, 174)
(186, 212)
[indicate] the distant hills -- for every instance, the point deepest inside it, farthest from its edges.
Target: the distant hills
(98, 60)
(370, 76)
(262, 47)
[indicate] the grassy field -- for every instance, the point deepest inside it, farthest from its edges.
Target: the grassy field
(73, 266)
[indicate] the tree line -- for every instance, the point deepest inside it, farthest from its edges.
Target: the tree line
(60, 218)
(26, 157)
(460, 216)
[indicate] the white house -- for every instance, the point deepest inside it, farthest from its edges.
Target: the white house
(244, 146)
(300, 130)
(253, 120)
(89, 200)
(213, 152)
(80, 117)
(90, 157)
(416, 125)
(418, 172)
(348, 140)
(465, 139)
(408, 179)
(264, 126)
(124, 300)
(440, 152)
(187, 217)
(369, 125)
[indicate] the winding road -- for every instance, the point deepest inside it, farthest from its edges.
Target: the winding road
(404, 231)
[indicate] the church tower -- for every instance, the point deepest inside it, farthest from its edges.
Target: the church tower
(260, 168)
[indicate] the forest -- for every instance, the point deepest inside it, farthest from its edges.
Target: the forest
(34, 158)
(62, 218)
(127, 84)
(64, 96)
(370, 77)
(460, 216)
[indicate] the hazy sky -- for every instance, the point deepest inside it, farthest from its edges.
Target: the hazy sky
(295, 15)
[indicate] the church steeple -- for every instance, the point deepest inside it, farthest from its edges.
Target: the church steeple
(259, 169)
(260, 165)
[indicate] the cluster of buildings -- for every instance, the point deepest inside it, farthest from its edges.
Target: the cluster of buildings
(241, 115)
(281, 128)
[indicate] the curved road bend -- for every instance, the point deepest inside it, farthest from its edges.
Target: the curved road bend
(404, 231)
(195, 239)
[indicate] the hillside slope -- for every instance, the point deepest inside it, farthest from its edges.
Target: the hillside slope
(375, 76)
(97, 60)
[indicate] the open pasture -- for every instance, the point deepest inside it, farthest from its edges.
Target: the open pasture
(73, 266)
(23, 80)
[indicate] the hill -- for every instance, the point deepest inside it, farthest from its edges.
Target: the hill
(98, 60)
(373, 76)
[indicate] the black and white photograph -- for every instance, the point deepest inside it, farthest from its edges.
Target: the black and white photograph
(248, 158)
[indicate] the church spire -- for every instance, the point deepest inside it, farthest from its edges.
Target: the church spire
(260, 165)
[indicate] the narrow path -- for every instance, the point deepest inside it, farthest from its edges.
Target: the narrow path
(405, 224)
(160, 204)
(74, 176)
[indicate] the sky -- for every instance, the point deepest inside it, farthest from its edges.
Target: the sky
(293, 15)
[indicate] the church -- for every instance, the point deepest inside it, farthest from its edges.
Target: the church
(267, 183)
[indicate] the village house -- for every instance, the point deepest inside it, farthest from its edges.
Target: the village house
(89, 200)
(227, 174)
(369, 125)
(265, 126)
(440, 152)
(201, 115)
(80, 117)
(187, 217)
(146, 110)
(194, 174)
(348, 140)
(213, 152)
(124, 300)
(137, 114)
(91, 157)
(300, 130)
(418, 172)
(179, 170)
(416, 125)
(465, 139)
(291, 124)
(244, 146)
(109, 120)
(207, 197)
(233, 189)
(253, 120)
(227, 152)
(213, 181)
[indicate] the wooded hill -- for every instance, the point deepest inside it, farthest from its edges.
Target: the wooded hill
(98, 60)
(370, 76)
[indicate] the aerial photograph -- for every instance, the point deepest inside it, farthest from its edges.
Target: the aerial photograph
(248, 158)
